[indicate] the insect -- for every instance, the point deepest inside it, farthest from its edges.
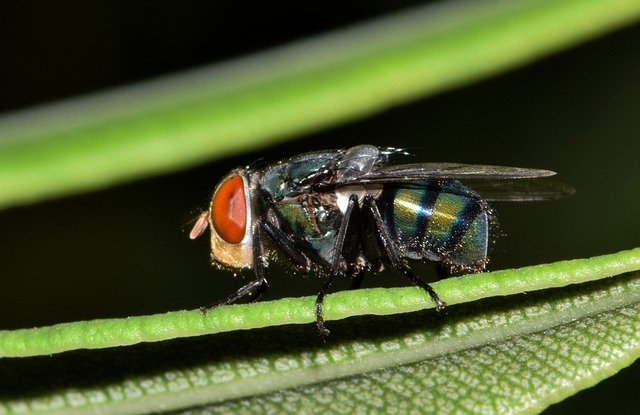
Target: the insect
(344, 212)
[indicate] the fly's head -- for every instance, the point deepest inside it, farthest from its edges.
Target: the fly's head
(230, 218)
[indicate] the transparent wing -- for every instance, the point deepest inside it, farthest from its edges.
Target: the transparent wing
(522, 190)
(493, 183)
(453, 171)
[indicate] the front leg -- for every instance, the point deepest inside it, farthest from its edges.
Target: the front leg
(256, 287)
(285, 245)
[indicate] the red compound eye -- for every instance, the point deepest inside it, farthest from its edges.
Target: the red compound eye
(229, 210)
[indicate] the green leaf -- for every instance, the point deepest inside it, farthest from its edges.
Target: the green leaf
(118, 332)
(515, 356)
(181, 120)
(512, 352)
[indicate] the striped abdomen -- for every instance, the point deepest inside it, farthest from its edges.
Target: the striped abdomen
(438, 221)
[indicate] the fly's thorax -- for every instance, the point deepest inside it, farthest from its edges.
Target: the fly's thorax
(231, 220)
(307, 216)
(295, 175)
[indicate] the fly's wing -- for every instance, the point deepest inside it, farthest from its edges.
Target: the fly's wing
(452, 171)
(493, 183)
(523, 190)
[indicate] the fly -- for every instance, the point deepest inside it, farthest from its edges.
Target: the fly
(345, 212)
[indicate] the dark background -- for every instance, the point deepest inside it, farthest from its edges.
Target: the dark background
(125, 251)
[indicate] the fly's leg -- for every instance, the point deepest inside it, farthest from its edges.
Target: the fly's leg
(322, 330)
(253, 289)
(256, 287)
(392, 252)
(443, 271)
(286, 245)
(356, 282)
(347, 246)
(348, 239)
(419, 283)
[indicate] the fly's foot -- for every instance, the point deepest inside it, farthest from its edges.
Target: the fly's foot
(204, 310)
(322, 330)
(440, 305)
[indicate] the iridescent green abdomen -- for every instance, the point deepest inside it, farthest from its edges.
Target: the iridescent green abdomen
(438, 221)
